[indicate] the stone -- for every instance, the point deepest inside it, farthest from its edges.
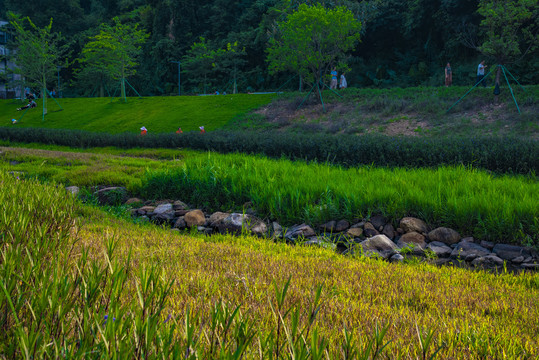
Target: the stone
(487, 244)
(179, 213)
(370, 232)
(329, 226)
(164, 209)
(355, 232)
(440, 249)
(518, 260)
(413, 238)
(379, 244)
(389, 231)
(162, 219)
(342, 225)
(195, 218)
(180, 205)
(204, 230)
(180, 223)
(73, 190)
(487, 262)
(509, 252)
(409, 224)
(400, 231)
(410, 248)
(236, 222)
(468, 239)
(146, 210)
(163, 214)
(216, 219)
(530, 266)
(277, 230)
(112, 195)
(378, 221)
(396, 258)
(321, 242)
(132, 201)
(359, 224)
(445, 235)
(469, 251)
(368, 225)
(298, 231)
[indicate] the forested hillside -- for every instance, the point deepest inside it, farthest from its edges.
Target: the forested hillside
(403, 42)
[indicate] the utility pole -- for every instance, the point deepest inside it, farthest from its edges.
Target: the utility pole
(179, 89)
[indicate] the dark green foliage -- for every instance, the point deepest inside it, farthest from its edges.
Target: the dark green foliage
(500, 155)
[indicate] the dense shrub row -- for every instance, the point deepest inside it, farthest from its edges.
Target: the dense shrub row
(502, 155)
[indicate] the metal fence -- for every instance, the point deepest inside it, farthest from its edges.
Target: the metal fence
(7, 94)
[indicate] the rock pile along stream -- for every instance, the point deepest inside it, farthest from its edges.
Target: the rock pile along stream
(373, 237)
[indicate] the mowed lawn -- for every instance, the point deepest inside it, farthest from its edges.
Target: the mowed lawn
(157, 114)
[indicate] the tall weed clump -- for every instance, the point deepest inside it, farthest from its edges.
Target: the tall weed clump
(54, 306)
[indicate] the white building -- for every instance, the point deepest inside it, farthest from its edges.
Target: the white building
(10, 84)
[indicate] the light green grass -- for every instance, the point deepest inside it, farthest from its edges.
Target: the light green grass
(76, 283)
(499, 208)
(157, 114)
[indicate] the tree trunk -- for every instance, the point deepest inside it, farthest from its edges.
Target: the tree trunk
(497, 84)
(101, 90)
(235, 90)
(44, 96)
(300, 83)
(498, 73)
(123, 89)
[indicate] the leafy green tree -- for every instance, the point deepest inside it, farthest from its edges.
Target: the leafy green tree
(311, 40)
(511, 29)
(199, 62)
(114, 51)
(229, 60)
(39, 52)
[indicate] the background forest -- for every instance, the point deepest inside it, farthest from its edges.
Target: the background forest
(403, 42)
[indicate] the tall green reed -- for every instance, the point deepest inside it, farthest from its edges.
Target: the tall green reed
(474, 202)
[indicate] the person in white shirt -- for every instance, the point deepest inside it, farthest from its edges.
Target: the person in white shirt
(481, 73)
(343, 84)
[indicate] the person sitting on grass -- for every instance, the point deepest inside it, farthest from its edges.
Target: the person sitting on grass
(179, 131)
(31, 104)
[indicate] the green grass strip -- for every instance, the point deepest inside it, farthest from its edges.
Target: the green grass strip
(471, 201)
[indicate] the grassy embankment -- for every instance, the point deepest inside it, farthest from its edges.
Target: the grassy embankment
(420, 111)
(497, 208)
(411, 111)
(116, 289)
(157, 114)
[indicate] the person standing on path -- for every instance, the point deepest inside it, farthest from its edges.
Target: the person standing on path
(481, 73)
(448, 75)
(343, 84)
(333, 84)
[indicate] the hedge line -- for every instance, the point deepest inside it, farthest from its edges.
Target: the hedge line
(500, 155)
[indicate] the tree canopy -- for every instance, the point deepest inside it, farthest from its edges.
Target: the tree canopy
(114, 51)
(39, 52)
(311, 40)
(403, 42)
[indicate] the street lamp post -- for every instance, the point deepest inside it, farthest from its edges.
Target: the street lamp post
(179, 89)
